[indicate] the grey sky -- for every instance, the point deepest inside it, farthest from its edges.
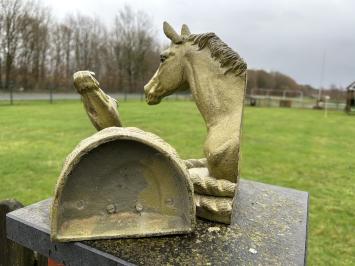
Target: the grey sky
(287, 36)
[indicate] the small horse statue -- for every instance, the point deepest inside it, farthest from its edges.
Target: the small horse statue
(216, 76)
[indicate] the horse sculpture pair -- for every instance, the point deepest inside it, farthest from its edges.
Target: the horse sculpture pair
(216, 77)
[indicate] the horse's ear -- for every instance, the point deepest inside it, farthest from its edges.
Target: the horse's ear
(185, 31)
(171, 33)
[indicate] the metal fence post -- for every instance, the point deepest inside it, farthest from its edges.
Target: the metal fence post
(11, 96)
(50, 94)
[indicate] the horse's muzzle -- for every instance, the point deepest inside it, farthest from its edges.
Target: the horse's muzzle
(150, 93)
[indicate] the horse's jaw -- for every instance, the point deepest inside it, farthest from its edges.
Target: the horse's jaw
(155, 102)
(152, 99)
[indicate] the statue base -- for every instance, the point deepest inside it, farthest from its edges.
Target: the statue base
(269, 227)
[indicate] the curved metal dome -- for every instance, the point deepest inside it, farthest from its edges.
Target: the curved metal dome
(122, 182)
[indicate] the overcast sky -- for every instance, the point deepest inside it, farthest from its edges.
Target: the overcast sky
(282, 35)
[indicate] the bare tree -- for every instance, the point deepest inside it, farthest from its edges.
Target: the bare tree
(12, 15)
(61, 55)
(33, 47)
(56, 55)
(87, 34)
(1, 43)
(133, 38)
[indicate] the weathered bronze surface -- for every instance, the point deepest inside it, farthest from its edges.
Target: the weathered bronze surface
(122, 182)
(100, 107)
(216, 77)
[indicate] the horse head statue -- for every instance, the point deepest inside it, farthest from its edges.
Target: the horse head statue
(170, 74)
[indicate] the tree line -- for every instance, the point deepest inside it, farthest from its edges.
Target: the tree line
(278, 82)
(38, 52)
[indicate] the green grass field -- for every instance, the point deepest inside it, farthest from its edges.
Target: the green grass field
(293, 148)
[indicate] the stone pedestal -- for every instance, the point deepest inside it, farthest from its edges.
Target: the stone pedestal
(269, 227)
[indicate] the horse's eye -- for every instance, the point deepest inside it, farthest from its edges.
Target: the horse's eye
(163, 58)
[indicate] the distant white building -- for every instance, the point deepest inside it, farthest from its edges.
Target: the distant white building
(351, 86)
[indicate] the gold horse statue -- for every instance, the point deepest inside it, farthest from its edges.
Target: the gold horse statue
(216, 77)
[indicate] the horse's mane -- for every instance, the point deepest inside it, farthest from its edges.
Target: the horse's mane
(220, 51)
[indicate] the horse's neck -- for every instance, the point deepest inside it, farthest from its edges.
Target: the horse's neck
(216, 95)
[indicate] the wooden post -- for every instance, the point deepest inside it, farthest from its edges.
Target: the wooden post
(10, 252)
(54, 263)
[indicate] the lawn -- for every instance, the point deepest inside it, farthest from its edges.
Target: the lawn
(300, 149)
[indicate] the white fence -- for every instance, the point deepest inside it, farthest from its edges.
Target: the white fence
(251, 100)
(304, 102)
